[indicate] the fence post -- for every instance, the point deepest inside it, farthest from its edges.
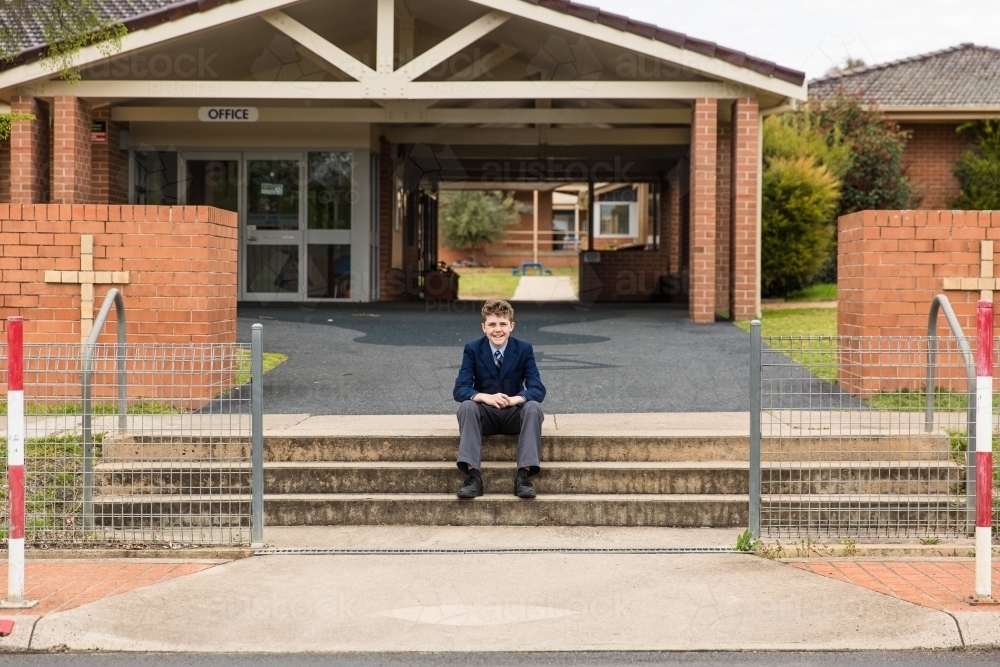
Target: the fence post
(984, 449)
(15, 465)
(257, 435)
(755, 382)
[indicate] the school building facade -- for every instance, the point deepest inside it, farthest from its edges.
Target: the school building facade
(276, 150)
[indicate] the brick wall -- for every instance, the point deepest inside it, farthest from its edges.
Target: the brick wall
(890, 265)
(930, 155)
(623, 275)
(181, 266)
(181, 262)
(5, 171)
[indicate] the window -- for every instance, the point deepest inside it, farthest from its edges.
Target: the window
(616, 218)
(155, 178)
(330, 194)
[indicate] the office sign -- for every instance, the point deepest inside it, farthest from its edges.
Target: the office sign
(227, 114)
(99, 131)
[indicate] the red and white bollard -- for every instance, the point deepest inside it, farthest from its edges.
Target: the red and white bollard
(15, 464)
(984, 450)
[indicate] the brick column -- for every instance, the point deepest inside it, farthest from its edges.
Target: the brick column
(723, 219)
(673, 206)
(704, 121)
(745, 184)
(71, 172)
(109, 164)
(28, 153)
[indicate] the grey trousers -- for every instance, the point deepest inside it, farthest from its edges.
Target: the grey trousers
(478, 419)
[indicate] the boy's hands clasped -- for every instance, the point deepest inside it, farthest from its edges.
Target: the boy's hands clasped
(499, 401)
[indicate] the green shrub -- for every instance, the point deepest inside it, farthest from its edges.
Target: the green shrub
(799, 198)
(978, 170)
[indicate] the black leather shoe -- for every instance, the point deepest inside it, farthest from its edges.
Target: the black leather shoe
(472, 488)
(522, 485)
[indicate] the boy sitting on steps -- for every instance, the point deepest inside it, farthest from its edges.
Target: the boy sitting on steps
(500, 390)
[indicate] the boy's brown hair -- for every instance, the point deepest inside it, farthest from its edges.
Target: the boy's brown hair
(498, 307)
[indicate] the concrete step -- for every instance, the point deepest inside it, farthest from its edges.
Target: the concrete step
(505, 509)
(423, 477)
(555, 448)
(680, 510)
(919, 477)
(429, 448)
(790, 513)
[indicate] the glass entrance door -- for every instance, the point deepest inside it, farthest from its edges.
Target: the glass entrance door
(330, 200)
(273, 227)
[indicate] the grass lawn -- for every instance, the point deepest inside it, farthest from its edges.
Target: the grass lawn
(819, 292)
(819, 356)
(498, 283)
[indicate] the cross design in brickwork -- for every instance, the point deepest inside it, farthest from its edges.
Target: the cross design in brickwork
(86, 278)
(985, 283)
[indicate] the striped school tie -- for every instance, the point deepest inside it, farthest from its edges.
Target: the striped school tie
(498, 359)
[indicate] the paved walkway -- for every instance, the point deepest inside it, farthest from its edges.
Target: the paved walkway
(544, 288)
(58, 585)
(530, 602)
(938, 584)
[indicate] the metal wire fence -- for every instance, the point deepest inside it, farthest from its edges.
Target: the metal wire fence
(852, 445)
(176, 468)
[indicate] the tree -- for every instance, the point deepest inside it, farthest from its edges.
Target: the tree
(848, 64)
(65, 27)
(874, 177)
(799, 200)
(978, 170)
(474, 218)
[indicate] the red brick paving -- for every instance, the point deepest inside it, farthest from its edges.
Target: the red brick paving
(943, 585)
(60, 585)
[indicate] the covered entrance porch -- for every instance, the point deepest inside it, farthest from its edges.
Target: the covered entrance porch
(334, 127)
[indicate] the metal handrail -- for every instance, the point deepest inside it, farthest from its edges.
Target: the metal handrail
(941, 301)
(114, 296)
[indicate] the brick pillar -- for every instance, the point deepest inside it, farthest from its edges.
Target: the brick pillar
(28, 153)
(71, 171)
(704, 121)
(723, 220)
(673, 206)
(745, 185)
(109, 164)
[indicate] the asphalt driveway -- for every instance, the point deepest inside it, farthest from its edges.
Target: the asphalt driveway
(402, 358)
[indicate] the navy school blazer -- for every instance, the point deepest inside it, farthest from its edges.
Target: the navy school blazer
(518, 377)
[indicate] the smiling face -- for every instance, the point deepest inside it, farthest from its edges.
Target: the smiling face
(497, 328)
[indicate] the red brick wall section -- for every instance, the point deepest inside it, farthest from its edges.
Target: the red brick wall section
(723, 220)
(109, 164)
(623, 275)
(29, 153)
(5, 171)
(181, 262)
(745, 183)
(930, 155)
(701, 303)
(891, 264)
(71, 163)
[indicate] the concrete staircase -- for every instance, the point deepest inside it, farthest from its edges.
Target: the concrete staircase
(586, 481)
(598, 480)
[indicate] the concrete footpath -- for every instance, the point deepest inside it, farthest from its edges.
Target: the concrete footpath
(503, 602)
